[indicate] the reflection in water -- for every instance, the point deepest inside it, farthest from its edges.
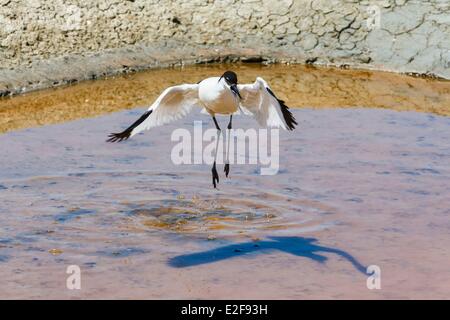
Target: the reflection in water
(120, 252)
(300, 86)
(299, 246)
(73, 213)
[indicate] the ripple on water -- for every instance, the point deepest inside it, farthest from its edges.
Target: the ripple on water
(225, 213)
(72, 213)
(107, 201)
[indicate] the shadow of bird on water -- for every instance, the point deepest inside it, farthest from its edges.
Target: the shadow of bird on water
(298, 246)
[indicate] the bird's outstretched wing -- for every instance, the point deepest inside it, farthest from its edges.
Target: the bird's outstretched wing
(268, 110)
(174, 103)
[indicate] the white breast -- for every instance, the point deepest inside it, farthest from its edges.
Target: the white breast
(217, 97)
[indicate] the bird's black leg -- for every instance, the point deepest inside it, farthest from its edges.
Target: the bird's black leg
(226, 169)
(215, 122)
(215, 175)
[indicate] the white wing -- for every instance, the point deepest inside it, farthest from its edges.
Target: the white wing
(261, 102)
(174, 103)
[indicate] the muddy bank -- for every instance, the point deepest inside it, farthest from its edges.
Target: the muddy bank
(300, 86)
(71, 69)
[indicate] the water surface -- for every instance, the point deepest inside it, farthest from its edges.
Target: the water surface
(356, 187)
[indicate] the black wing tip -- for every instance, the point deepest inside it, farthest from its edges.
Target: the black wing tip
(289, 118)
(287, 114)
(124, 135)
(118, 137)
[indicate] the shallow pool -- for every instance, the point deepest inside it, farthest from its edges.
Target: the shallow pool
(356, 187)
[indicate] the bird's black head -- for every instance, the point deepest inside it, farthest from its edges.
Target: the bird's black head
(231, 80)
(230, 77)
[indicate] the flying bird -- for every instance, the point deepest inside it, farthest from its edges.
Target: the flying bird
(216, 95)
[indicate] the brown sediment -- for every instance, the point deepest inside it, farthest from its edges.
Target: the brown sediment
(301, 86)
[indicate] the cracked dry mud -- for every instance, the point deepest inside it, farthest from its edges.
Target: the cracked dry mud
(50, 43)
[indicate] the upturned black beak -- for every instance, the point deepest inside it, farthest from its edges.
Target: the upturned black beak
(235, 90)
